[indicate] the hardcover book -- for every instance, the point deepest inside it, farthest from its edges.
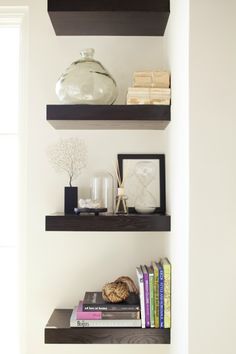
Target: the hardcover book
(101, 323)
(151, 293)
(167, 292)
(106, 315)
(161, 295)
(146, 296)
(156, 295)
(93, 301)
(83, 315)
(141, 294)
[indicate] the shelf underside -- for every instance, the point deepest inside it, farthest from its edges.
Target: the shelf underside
(58, 331)
(131, 222)
(149, 117)
(109, 18)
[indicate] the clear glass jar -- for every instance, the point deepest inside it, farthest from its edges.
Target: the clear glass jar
(86, 81)
(102, 190)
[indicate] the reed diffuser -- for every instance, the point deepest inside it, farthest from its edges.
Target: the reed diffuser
(121, 198)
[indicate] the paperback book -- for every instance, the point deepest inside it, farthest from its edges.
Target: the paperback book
(151, 293)
(141, 294)
(161, 295)
(146, 296)
(156, 294)
(167, 292)
(102, 323)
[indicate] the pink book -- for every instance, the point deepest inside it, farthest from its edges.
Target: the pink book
(82, 315)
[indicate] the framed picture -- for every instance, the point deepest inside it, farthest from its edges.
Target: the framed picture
(143, 177)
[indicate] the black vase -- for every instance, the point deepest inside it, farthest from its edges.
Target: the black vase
(71, 200)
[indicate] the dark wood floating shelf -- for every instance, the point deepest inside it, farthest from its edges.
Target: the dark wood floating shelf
(58, 331)
(108, 117)
(106, 222)
(109, 17)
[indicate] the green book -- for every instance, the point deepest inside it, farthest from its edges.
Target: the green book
(156, 295)
(151, 292)
(167, 292)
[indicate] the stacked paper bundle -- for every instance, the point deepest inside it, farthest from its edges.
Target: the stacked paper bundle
(150, 87)
(148, 96)
(160, 79)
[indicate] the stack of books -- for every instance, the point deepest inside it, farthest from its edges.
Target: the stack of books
(150, 87)
(151, 308)
(93, 311)
(155, 294)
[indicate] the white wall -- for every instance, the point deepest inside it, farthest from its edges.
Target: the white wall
(212, 177)
(177, 50)
(62, 266)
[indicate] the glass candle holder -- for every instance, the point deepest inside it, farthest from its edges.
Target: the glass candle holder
(102, 190)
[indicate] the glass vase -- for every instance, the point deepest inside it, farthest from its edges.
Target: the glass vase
(86, 81)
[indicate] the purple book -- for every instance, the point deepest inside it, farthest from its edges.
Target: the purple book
(82, 315)
(161, 295)
(146, 295)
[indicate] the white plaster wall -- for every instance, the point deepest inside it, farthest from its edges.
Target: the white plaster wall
(212, 261)
(60, 267)
(177, 54)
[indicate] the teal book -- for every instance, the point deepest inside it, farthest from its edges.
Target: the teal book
(151, 294)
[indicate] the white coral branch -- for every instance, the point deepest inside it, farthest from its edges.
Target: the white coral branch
(68, 155)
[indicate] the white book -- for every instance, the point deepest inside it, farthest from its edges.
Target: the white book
(102, 323)
(141, 294)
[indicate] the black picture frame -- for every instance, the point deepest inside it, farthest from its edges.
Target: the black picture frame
(162, 177)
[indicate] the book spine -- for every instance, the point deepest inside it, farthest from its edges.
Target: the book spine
(141, 295)
(81, 315)
(111, 307)
(147, 300)
(105, 323)
(156, 298)
(161, 297)
(115, 315)
(167, 296)
(151, 290)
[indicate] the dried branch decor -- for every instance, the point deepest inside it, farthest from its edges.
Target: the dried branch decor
(69, 156)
